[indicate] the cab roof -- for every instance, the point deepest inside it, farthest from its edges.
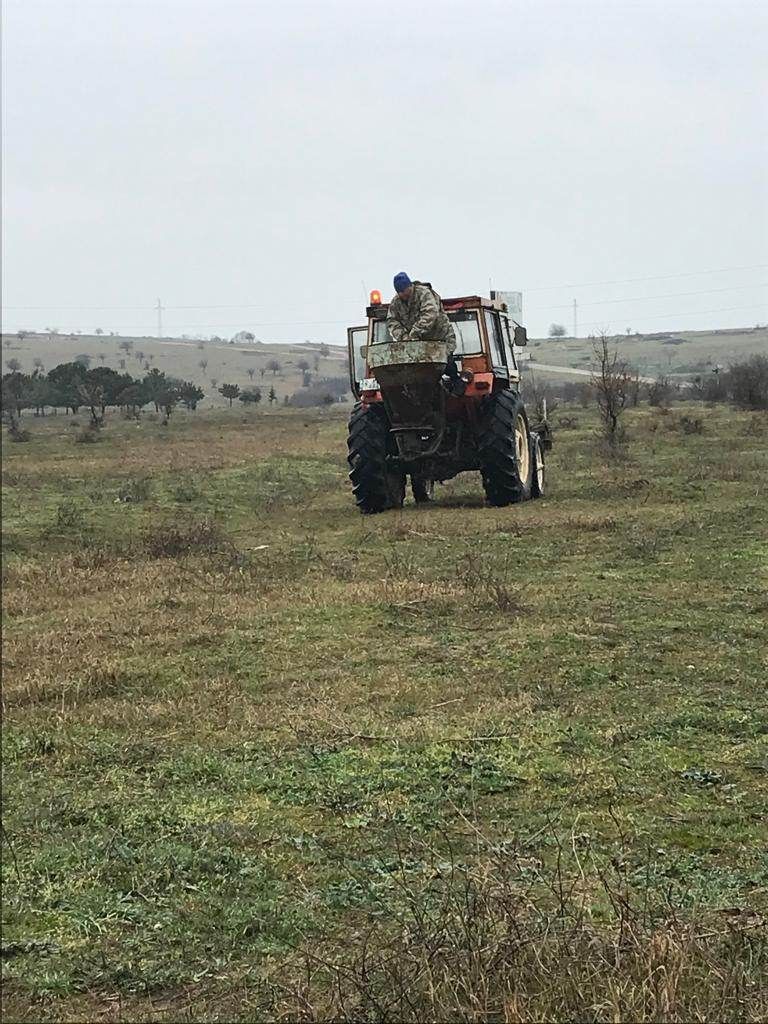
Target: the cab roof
(452, 304)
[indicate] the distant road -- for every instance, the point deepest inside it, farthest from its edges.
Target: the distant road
(572, 369)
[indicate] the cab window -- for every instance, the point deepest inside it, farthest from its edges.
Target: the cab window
(467, 328)
(509, 338)
(494, 338)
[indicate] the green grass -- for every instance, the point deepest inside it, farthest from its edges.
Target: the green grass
(269, 741)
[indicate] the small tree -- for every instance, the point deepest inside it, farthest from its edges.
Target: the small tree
(272, 396)
(166, 399)
(660, 392)
(274, 366)
(139, 356)
(37, 362)
(203, 364)
(230, 391)
(21, 335)
(633, 389)
(214, 381)
(261, 372)
(251, 371)
(324, 350)
(303, 365)
(747, 383)
(14, 365)
(92, 396)
(84, 359)
(556, 331)
(610, 379)
(102, 357)
(98, 331)
(250, 396)
(190, 394)
(125, 346)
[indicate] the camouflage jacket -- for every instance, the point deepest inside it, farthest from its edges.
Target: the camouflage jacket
(422, 316)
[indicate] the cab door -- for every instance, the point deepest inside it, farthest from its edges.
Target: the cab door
(357, 340)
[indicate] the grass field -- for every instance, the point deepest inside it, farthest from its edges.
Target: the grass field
(268, 759)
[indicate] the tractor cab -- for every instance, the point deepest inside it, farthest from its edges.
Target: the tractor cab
(486, 340)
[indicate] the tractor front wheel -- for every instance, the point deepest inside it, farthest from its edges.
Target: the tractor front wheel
(375, 485)
(506, 451)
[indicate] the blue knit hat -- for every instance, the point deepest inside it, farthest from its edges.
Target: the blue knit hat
(402, 281)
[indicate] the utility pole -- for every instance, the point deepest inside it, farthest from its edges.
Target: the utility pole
(575, 320)
(159, 319)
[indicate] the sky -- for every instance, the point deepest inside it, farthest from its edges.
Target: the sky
(263, 166)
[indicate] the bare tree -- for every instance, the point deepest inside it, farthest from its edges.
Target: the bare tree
(37, 362)
(633, 389)
(274, 366)
(251, 371)
(660, 392)
(611, 381)
(203, 364)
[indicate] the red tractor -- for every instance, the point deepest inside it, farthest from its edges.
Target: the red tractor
(413, 419)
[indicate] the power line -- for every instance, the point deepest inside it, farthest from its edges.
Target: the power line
(646, 298)
(552, 287)
(635, 280)
(314, 323)
(695, 312)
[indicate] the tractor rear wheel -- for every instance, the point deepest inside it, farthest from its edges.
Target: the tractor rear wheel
(375, 485)
(506, 452)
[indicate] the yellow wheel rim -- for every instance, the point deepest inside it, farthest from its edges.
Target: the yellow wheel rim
(522, 447)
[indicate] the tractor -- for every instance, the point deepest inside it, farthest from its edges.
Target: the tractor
(414, 419)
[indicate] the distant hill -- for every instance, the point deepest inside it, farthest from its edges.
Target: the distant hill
(673, 353)
(226, 363)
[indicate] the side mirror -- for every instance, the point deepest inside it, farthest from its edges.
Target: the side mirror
(521, 336)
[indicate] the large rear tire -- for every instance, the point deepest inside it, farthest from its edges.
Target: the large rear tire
(506, 452)
(375, 486)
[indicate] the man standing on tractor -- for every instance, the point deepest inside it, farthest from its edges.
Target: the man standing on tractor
(417, 312)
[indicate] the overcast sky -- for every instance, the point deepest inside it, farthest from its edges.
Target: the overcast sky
(290, 156)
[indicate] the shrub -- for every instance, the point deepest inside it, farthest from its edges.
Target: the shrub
(135, 489)
(172, 540)
(747, 383)
(479, 942)
(90, 434)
